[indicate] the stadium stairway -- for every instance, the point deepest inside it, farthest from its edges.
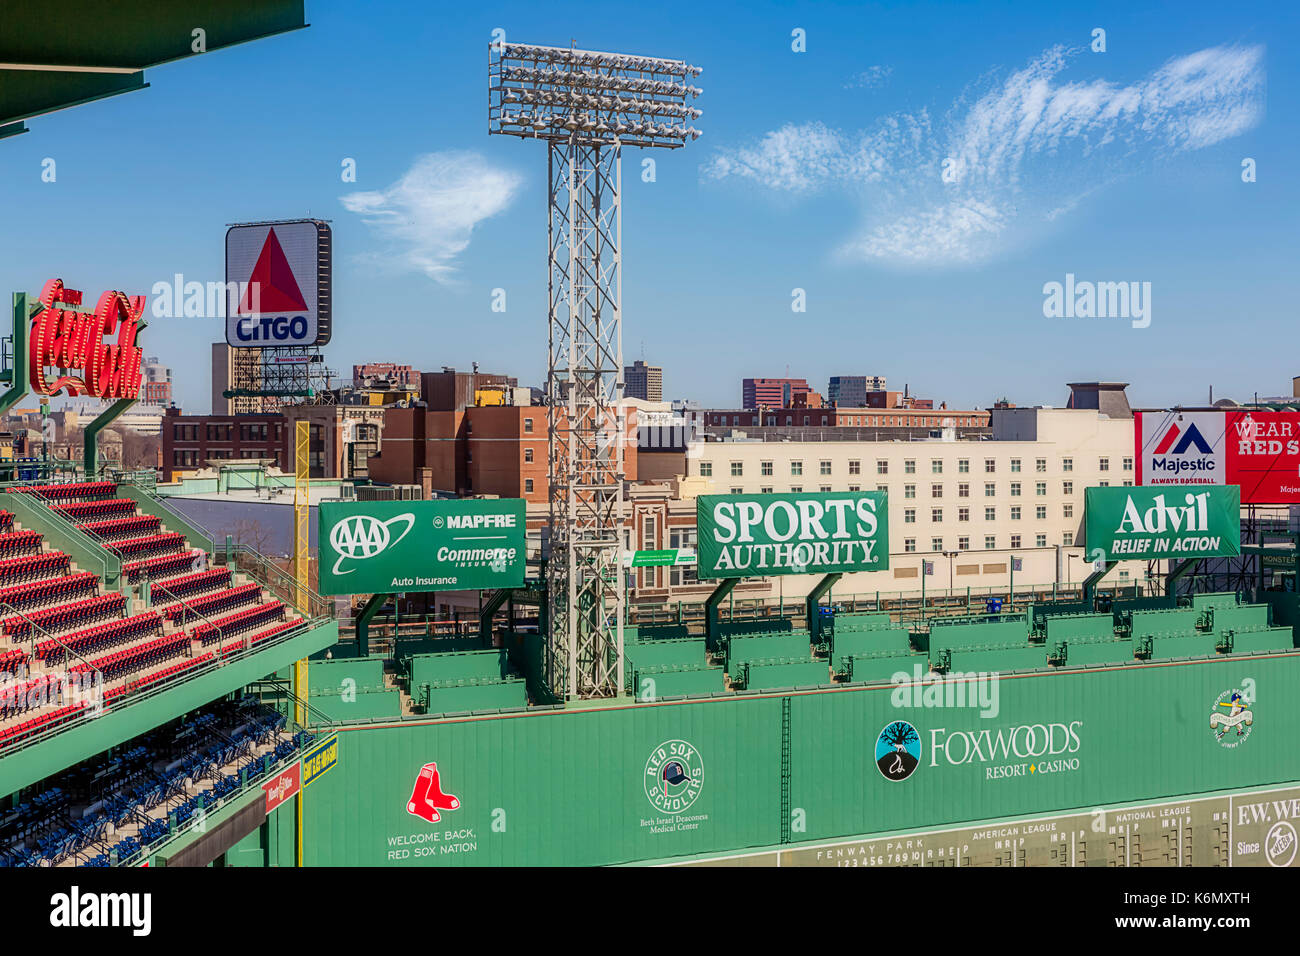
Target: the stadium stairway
(60, 626)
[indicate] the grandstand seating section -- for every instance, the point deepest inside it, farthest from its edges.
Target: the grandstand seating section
(53, 615)
(113, 807)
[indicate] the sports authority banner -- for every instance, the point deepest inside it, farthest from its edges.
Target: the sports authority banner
(278, 284)
(743, 536)
(1257, 450)
(1171, 521)
(376, 547)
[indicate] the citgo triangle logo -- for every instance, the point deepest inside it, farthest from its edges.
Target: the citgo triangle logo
(427, 798)
(1190, 437)
(272, 286)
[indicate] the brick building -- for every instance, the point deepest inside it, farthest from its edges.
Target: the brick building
(772, 392)
(189, 442)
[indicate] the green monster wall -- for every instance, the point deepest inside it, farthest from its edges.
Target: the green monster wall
(581, 786)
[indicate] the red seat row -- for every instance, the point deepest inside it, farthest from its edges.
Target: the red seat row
(65, 616)
(210, 604)
(33, 567)
(239, 622)
(135, 658)
(53, 718)
(11, 662)
(273, 631)
(18, 696)
(6, 521)
(68, 491)
(160, 566)
(166, 542)
(51, 591)
(15, 543)
(92, 510)
(100, 636)
(167, 672)
(135, 525)
(199, 582)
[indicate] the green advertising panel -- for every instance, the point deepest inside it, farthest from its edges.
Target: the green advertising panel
(743, 536)
(369, 547)
(1163, 521)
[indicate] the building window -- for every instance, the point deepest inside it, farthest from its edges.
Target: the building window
(990, 542)
(1127, 483)
(796, 489)
(1067, 487)
(1128, 464)
(855, 487)
(936, 466)
(990, 514)
(796, 468)
(909, 466)
(1069, 510)
(528, 425)
(1103, 484)
(909, 491)
(1040, 465)
(1103, 465)
(963, 544)
(1015, 489)
(855, 467)
(1040, 488)
(909, 545)
(909, 516)
(882, 488)
(737, 469)
(1040, 512)
(1015, 541)
(936, 544)
(824, 468)
(706, 469)
(936, 491)
(882, 466)
(1067, 464)
(528, 486)
(936, 514)
(765, 468)
(1040, 541)
(990, 466)
(1015, 464)
(765, 491)
(737, 491)
(963, 465)
(682, 538)
(1015, 512)
(1067, 539)
(989, 489)
(963, 514)
(963, 490)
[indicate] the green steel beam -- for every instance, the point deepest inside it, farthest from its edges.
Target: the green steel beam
(13, 129)
(1090, 585)
(19, 377)
(370, 609)
(725, 587)
(813, 602)
(28, 93)
(105, 419)
(1178, 571)
(489, 610)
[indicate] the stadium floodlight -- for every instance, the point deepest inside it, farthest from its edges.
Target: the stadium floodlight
(586, 105)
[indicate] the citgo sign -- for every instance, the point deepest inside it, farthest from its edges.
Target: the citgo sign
(277, 284)
(743, 536)
(386, 546)
(1168, 521)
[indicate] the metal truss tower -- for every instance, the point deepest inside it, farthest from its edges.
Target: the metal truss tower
(586, 106)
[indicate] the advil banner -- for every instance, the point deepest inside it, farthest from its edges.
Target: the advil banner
(1257, 450)
(742, 536)
(1172, 521)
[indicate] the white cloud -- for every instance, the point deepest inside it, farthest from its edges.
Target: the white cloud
(426, 217)
(1025, 150)
(871, 76)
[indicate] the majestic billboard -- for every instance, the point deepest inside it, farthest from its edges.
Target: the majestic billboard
(1170, 521)
(278, 284)
(65, 339)
(1257, 450)
(743, 536)
(375, 547)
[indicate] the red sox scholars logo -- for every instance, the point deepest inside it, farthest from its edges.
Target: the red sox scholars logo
(428, 798)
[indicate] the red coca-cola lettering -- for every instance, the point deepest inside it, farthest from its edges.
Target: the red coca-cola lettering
(68, 341)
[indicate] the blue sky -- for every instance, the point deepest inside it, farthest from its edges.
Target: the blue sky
(818, 170)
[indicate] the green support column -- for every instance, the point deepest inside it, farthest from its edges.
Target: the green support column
(18, 378)
(94, 428)
(723, 589)
(1178, 571)
(370, 609)
(1090, 585)
(812, 605)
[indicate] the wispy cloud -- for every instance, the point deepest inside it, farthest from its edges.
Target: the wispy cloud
(871, 76)
(1007, 157)
(425, 218)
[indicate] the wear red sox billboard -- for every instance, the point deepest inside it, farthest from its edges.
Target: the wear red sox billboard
(1257, 450)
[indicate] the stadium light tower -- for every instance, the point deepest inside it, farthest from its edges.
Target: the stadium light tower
(586, 107)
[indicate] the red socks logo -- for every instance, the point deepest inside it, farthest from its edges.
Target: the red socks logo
(427, 798)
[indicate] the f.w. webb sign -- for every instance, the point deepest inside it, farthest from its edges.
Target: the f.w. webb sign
(742, 536)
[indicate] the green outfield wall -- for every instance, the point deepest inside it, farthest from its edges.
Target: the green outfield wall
(629, 782)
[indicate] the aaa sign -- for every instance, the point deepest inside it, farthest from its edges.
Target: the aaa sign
(742, 536)
(65, 340)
